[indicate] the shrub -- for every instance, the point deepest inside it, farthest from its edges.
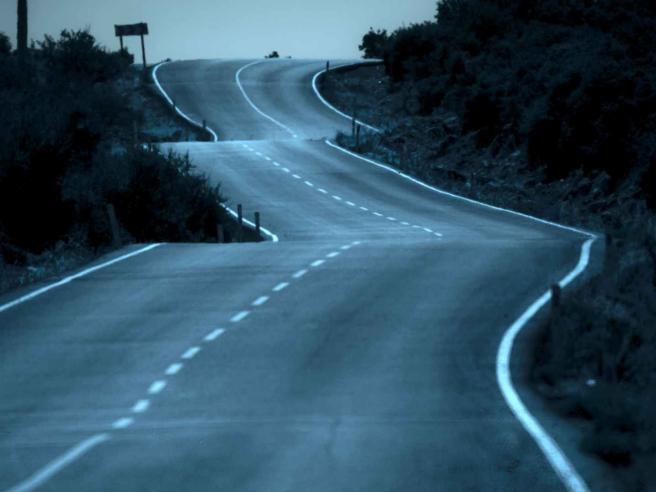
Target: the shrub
(5, 44)
(374, 43)
(77, 55)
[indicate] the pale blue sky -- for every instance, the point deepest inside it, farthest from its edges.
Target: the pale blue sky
(182, 29)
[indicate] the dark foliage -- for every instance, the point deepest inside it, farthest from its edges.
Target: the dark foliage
(374, 43)
(67, 149)
(5, 44)
(573, 80)
(273, 54)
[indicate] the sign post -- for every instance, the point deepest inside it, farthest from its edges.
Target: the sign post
(140, 29)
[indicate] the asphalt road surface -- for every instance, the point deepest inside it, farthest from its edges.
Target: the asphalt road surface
(356, 354)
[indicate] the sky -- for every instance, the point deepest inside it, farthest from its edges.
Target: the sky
(191, 29)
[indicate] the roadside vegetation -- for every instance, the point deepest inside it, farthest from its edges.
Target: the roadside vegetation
(75, 117)
(548, 108)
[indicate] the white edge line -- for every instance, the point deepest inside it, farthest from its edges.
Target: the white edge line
(66, 280)
(330, 106)
(273, 237)
(215, 137)
(556, 457)
(459, 197)
(54, 467)
(248, 99)
(266, 231)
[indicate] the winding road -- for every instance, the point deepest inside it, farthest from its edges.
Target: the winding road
(359, 352)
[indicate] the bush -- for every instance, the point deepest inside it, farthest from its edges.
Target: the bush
(66, 150)
(374, 43)
(5, 44)
(77, 55)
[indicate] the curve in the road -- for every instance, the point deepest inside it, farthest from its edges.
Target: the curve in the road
(556, 458)
(562, 466)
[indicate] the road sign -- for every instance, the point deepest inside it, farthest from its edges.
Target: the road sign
(140, 29)
(131, 29)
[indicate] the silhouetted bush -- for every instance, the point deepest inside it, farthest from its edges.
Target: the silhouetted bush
(570, 79)
(374, 43)
(273, 54)
(5, 44)
(67, 149)
(77, 55)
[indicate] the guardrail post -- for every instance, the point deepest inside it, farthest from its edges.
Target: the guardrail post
(328, 66)
(357, 134)
(220, 236)
(555, 296)
(204, 125)
(257, 225)
(113, 225)
(353, 126)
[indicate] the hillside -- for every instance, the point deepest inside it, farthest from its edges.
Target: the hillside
(546, 108)
(76, 121)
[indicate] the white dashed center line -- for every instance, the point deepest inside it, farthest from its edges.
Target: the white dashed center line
(280, 286)
(309, 184)
(277, 164)
(123, 423)
(377, 214)
(333, 254)
(173, 369)
(391, 218)
(141, 406)
(296, 176)
(317, 263)
(345, 247)
(239, 316)
(364, 208)
(338, 198)
(157, 387)
(405, 223)
(260, 300)
(350, 204)
(190, 353)
(214, 335)
(300, 273)
(266, 157)
(322, 190)
(286, 170)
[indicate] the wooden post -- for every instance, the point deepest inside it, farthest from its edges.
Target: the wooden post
(257, 225)
(143, 52)
(204, 125)
(357, 134)
(327, 66)
(220, 237)
(353, 126)
(121, 41)
(113, 225)
(555, 296)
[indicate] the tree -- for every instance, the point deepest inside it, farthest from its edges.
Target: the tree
(21, 31)
(373, 43)
(273, 54)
